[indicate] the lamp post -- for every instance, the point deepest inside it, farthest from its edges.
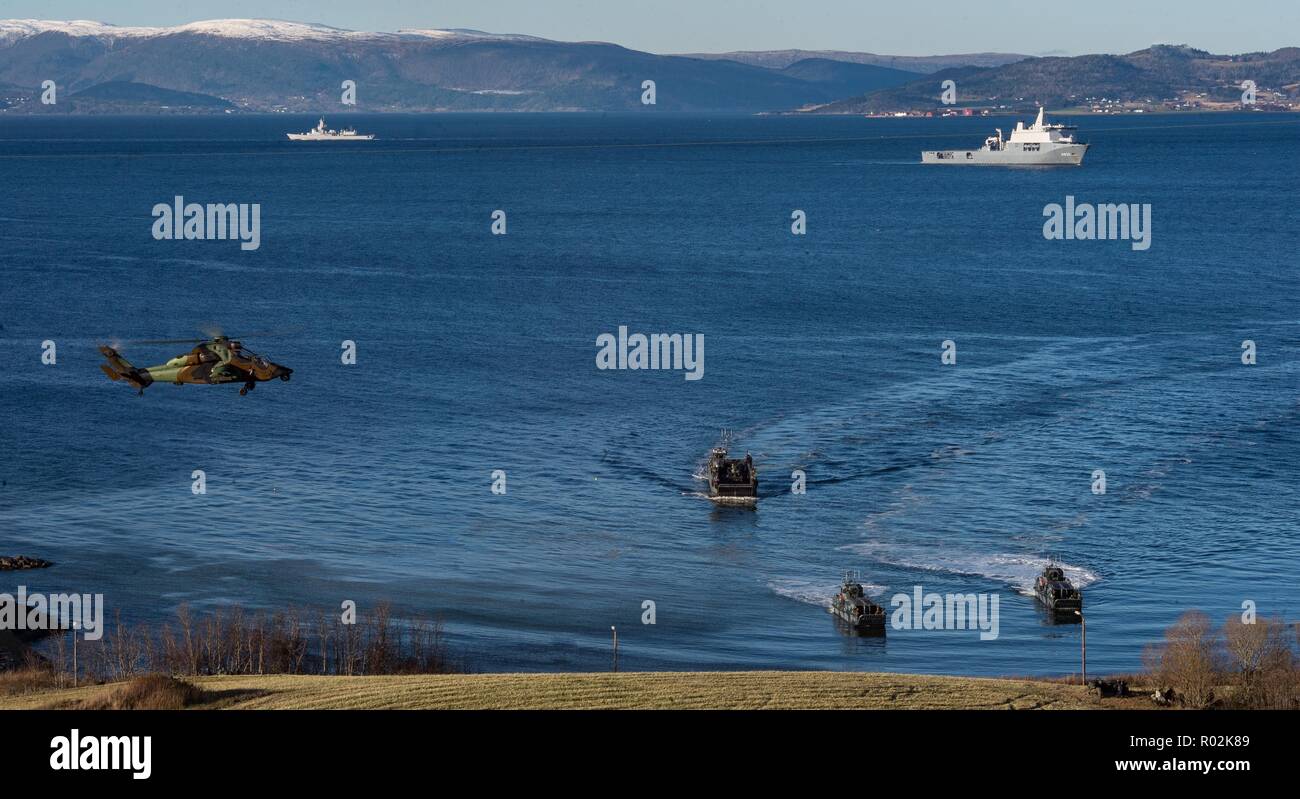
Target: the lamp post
(1084, 622)
(614, 630)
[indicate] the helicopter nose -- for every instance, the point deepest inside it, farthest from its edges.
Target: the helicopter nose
(284, 372)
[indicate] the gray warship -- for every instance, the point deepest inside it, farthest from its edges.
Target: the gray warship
(1040, 144)
(322, 133)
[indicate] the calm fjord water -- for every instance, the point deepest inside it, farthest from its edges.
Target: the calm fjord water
(476, 352)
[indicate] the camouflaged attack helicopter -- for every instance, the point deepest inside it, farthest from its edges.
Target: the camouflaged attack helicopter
(215, 360)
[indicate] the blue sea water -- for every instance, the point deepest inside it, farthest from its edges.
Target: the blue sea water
(476, 352)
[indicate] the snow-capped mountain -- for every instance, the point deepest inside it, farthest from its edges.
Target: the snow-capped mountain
(258, 64)
(12, 30)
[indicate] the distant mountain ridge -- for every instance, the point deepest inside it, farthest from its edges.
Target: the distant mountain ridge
(270, 65)
(779, 59)
(1158, 73)
(125, 96)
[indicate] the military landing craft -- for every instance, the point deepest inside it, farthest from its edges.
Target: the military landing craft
(852, 607)
(213, 361)
(732, 480)
(1057, 593)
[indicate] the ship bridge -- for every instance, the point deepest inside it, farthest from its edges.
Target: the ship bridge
(1041, 133)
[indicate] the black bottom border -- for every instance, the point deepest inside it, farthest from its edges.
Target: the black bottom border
(331, 749)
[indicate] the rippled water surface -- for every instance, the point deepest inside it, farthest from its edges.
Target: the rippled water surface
(476, 353)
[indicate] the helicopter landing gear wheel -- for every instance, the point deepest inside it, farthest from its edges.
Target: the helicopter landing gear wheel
(243, 392)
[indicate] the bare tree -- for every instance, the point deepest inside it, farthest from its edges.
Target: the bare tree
(292, 641)
(188, 641)
(1266, 667)
(1189, 661)
(1249, 645)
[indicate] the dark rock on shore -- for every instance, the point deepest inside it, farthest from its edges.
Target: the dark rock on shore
(19, 562)
(1104, 688)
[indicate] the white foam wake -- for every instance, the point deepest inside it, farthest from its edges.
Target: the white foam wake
(1016, 570)
(812, 592)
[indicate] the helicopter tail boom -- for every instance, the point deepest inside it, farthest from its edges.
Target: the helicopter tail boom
(119, 368)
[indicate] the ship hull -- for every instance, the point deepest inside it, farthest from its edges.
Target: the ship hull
(1011, 155)
(734, 493)
(733, 489)
(874, 621)
(310, 137)
(1061, 607)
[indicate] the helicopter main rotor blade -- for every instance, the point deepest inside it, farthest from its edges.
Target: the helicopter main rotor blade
(168, 341)
(216, 333)
(280, 333)
(213, 330)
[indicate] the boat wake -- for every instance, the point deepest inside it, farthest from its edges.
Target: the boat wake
(811, 592)
(1016, 570)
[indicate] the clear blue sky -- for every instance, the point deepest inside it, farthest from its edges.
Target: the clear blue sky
(674, 26)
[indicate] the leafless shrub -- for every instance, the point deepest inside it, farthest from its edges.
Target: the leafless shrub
(1250, 646)
(1188, 661)
(34, 676)
(1266, 669)
(148, 692)
(1253, 663)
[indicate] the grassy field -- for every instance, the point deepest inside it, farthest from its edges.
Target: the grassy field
(673, 690)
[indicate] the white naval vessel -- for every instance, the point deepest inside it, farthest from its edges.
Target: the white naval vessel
(322, 133)
(1040, 144)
